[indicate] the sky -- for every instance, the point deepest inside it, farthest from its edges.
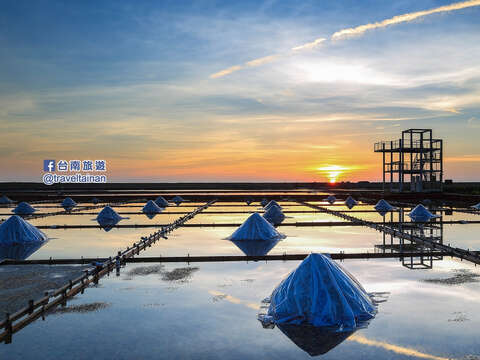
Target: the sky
(236, 90)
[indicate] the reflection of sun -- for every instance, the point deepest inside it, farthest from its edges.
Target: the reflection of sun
(332, 172)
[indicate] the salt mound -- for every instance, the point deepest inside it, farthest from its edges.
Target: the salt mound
(321, 293)
(383, 207)
(477, 207)
(255, 228)
(4, 200)
(331, 199)
(178, 200)
(108, 217)
(151, 208)
(274, 215)
(68, 203)
(24, 209)
(161, 202)
(351, 202)
(16, 230)
(272, 203)
(421, 214)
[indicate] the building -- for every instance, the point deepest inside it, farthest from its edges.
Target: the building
(412, 163)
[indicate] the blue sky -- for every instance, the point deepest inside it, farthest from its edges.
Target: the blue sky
(131, 82)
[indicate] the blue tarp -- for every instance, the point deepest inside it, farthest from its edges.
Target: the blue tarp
(350, 202)
(383, 207)
(19, 239)
(151, 208)
(421, 214)
(160, 201)
(178, 200)
(24, 209)
(4, 200)
(255, 228)
(272, 203)
(68, 203)
(331, 199)
(321, 293)
(274, 215)
(108, 217)
(477, 207)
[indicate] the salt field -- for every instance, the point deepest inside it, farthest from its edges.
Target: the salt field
(210, 309)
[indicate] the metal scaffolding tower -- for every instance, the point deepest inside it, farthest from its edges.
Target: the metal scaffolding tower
(415, 159)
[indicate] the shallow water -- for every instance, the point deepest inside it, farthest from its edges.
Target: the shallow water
(209, 310)
(211, 313)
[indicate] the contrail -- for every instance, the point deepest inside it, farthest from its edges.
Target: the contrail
(403, 18)
(345, 33)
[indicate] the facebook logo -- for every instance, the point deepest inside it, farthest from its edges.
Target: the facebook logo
(49, 165)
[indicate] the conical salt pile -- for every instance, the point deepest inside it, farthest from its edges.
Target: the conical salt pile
(477, 207)
(16, 230)
(421, 214)
(161, 202)
(19, 239)
(383, 207)
(151, 208)
(274, 215)
(272, 203)
(351, 202)
(4, 200)
(178, 200)
(255, 228)
(321, 293)
(24, 209)
(108, 217)
(331, 199)
(95, 200)
(68, 203)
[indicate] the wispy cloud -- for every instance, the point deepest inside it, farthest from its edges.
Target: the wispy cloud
(394, 348)
(349, 32)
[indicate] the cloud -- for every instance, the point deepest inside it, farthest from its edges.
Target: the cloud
(349, 32)
(403, 18)
(394, 348)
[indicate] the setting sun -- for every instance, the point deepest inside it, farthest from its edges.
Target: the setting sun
(333, 172)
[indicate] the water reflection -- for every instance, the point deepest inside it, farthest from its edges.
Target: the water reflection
(19, 251)
(314, 340)
(256, 247)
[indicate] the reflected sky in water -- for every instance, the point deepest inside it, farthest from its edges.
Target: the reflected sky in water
(213, 314)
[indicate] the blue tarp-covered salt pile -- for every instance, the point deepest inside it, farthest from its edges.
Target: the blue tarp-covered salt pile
(320, 293)
(151, 208)
(178, 200)
(255, 228)
(274, 215)
(256, 236)
(4, 200)
(95, 200)
(421, 214)
(107, 218)
(476, 207)
(350, 202)
(19, 239)
(272, 203)
(161, 202)
(331, 199)
(24, 209)
(68, 203)
(383, 207)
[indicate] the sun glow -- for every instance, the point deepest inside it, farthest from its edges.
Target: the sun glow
(333, 172)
